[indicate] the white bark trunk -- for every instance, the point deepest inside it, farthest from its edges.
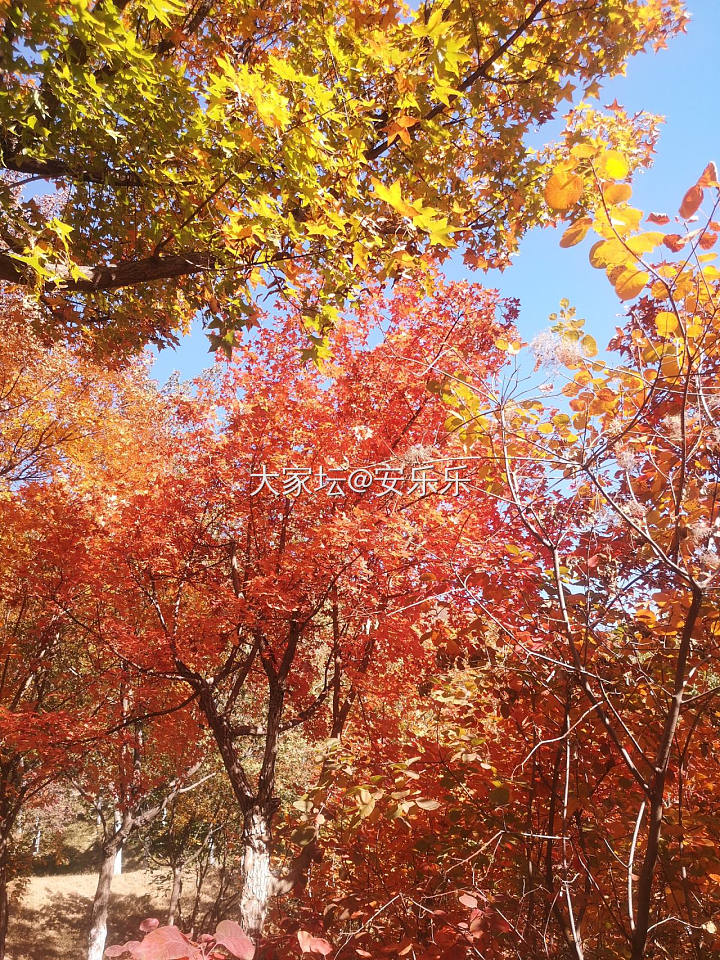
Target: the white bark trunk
(38, 837)
(96, 941)
(98, 921)
(256, 876)
(117, 866)
(175, 895)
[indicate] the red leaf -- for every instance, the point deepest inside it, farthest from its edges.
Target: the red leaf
(149, 924)
(166, 943)
(232, 936)
(709, 176)
(122, 948)
(691, 201)
(310, 944)
(674, 242)
(661, 218)
(468, 901)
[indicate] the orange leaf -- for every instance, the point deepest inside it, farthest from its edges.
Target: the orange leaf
(629, 283)
(563, 189)
(618, 192)
(674, 242)
(575, 232)
(709, 176)
(691, 201)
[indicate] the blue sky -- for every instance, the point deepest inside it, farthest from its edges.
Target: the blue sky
(680, 83)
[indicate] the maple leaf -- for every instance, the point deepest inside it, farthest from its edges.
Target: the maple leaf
(341, 90)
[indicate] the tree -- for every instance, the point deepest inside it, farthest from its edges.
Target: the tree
(183, 836)
(554, 794)
(142, 768)
(203, 152)
(279, 606)
(618, 496)
(60, 415)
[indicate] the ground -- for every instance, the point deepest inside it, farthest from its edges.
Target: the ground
(49, 915)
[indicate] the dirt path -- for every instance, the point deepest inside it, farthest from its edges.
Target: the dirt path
(49, 915)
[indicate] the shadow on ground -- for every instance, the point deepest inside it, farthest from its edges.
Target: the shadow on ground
(57, 930)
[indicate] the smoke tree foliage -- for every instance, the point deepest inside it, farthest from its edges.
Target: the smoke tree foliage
(596, 834)
(463, 704)
(555, 794)
(59, 416)
(265, 609)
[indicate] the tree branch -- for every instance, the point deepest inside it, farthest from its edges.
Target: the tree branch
(112, 276)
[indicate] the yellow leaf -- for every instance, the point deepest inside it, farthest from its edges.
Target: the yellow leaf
(628, 217)
(582, 151)
(589, 345)
(440, 231)
(612, 165)
(393, 196)
(358, 255)
(608, 253)
(645, 242)
(575, 232)
(563, 189)
(545, 428)
(629, 283)
(617, 192)
(666, 323)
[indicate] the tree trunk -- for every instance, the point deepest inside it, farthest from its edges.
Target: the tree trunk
(98, 920)
(657, 789)
(256, 876)
(4, 906)
(38, 837)
(117, 866)
(175, 895)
